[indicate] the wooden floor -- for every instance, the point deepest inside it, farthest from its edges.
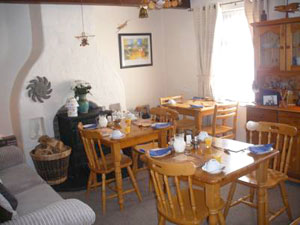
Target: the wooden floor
(145, 212)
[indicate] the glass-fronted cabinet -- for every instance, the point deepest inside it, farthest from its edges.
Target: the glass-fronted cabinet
(269, 53)
(293, 47)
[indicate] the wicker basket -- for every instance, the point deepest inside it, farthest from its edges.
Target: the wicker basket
(52, 168)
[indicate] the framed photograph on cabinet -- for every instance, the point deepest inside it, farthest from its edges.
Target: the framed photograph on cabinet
(135, 50)
(270, 100)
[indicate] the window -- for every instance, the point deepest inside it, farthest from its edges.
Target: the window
(233, 57)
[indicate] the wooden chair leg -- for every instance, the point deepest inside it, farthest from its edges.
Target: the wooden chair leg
(135, 158)
(89, 183)
(221, 218)
(285, 200)
(251, 192)
(150, 185)
(229, 198)
(134, 183)
(103, 194)
(161, 220)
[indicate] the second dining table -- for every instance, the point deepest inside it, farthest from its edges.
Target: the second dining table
(196, 108)
(237, 161)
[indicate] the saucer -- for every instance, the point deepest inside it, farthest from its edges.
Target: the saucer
(117, 138)
(214, 171)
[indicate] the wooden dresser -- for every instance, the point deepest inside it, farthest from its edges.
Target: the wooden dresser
(289, 115)
(277, 69)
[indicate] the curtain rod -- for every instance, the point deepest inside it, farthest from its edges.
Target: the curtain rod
(228, 3)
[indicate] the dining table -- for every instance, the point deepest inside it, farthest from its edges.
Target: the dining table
(197, 108)
(236, 160)
(141, 132)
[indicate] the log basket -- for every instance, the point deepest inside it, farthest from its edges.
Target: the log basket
(52, 168)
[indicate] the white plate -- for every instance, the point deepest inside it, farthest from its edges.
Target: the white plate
(117, 138)
(212, 172)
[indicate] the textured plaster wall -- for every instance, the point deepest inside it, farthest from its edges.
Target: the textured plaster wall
(39, 41)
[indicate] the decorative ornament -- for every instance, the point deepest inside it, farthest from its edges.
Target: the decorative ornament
(288, 8)
(84, 36)
(39, 89)
(72, 105)
(122, 25)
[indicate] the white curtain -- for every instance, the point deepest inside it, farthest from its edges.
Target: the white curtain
(205, 21)
(252, 10)
(233, 57)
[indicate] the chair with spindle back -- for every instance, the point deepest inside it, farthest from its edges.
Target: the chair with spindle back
(282, 136)
(177, 201)
(158, 114)
(184, 123)
(296, 221)
(221, 125)
(103, 165)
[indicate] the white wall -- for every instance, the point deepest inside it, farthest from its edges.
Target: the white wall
(38, 40)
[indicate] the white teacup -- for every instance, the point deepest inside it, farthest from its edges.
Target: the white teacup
(202, 135)
(116, 134)
(212, 165)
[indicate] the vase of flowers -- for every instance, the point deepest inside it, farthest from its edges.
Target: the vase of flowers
(81, 89)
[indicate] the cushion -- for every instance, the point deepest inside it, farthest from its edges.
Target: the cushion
(36, 198)
(20, 178)
(7, 213)
(9, 197)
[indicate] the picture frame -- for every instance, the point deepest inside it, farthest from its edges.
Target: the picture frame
(270, 100)
(135, 50)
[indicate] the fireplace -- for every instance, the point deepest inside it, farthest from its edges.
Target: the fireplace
(65, 129)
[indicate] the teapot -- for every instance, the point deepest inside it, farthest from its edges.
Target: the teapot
(103, 121)
(179, 143)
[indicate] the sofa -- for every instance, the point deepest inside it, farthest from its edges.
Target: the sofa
(38, 203)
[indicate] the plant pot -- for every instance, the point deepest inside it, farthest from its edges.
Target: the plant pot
(83, 104)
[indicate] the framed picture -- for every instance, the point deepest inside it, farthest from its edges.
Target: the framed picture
(270, 100)
(135, 50)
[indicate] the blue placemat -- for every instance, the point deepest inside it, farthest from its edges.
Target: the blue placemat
(90, 126)
(261, 149)
(197, 106)
(160, 125)
(159, 152)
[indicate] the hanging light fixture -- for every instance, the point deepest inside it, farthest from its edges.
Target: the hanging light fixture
(156, 4)
(84, 36)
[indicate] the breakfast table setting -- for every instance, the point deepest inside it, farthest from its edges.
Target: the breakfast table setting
(222, 161)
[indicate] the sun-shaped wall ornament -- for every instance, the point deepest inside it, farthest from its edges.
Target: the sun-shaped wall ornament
(39, 89)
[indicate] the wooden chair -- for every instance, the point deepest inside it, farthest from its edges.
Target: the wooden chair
(296, 222)
(184, 123)
(103, 165)
(176, 201)
(265, 132)
(221, 124)
(158, 114)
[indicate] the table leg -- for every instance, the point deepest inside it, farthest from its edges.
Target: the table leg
(116, 151)
(198, 122)
(213, 203)
(261, 176)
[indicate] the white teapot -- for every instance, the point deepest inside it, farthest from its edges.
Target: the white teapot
(179, 144)
(103, 121)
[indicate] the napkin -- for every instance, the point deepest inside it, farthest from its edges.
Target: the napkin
(260, 149)
(196, 106)
(161, 125)
(90, 126)
(158, 152)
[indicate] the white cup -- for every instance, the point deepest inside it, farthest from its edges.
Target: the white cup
(213, 165)
(116, 134)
